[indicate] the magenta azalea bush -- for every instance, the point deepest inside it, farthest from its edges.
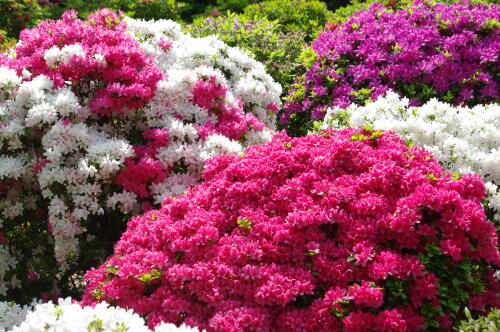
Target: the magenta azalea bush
(347, 230)
(424, 51)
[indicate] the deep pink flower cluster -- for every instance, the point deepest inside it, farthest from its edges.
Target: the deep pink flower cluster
(144, 168)
(348, 230)
(103, 65)
(425, 51)
(231, 121)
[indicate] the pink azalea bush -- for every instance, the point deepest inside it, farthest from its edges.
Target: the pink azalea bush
(96, 57)
(347, 230)
(101, 120)
(449, 52)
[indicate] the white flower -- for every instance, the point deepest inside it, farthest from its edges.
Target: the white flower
(67, 316)
(100, 59)
(12, 168)
(54, 55)
(125, 200)
(12, 210)
(12, 314)
(8, 81)
(174, 185)
(51, 56)
(7, 261)
(218, 144)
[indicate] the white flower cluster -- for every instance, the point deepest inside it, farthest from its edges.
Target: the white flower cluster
(463, 139)
(59, 161)
(188, 59)
(67, 316)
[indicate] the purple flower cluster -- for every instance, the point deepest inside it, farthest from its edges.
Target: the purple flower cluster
(424, 51)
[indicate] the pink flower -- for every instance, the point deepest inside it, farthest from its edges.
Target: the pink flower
(165, 44)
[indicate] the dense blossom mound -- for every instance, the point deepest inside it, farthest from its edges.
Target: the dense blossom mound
(348, 230)
(425, 51)
(95, 57)
(101, 120)
(462, 139)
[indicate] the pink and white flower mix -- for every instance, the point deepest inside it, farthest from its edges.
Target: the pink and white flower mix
(142, 166)
(103, 119)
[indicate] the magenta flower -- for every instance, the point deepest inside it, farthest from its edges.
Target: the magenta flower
(425, 51)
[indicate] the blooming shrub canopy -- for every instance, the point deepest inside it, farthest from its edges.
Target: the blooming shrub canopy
(424, 51)
(102, 119)
(348, 230)
(463, 139)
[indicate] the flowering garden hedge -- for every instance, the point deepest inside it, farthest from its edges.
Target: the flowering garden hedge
(151, 179)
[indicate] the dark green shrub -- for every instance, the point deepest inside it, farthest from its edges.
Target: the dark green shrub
(142, 9)
(234, 5)
(16, 15)
(279, 51)
(5, 41)
(309, 16)
(490, 323)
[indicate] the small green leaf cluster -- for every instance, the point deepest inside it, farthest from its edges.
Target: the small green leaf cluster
(484, 323)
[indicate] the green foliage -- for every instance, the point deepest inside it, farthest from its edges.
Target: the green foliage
(309, 16)
(490, 323)
(457, 281)
(279, 51)
(16, 15)
(5, 42)
(141, 9)
(234, 5)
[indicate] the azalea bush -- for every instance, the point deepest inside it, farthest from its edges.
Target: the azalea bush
(422, 52)
(278, 51)
(343, 13)
(67, 315)
(101, 120)
(346, 230)
(463, 139)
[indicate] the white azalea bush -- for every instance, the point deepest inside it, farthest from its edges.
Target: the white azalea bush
(463, 139)
(101, 120)
(69, 316)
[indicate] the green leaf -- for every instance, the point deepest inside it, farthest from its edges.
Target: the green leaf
(244, 223)
(358, 137)
(95, 325)
(148, 277)
(112, 269)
